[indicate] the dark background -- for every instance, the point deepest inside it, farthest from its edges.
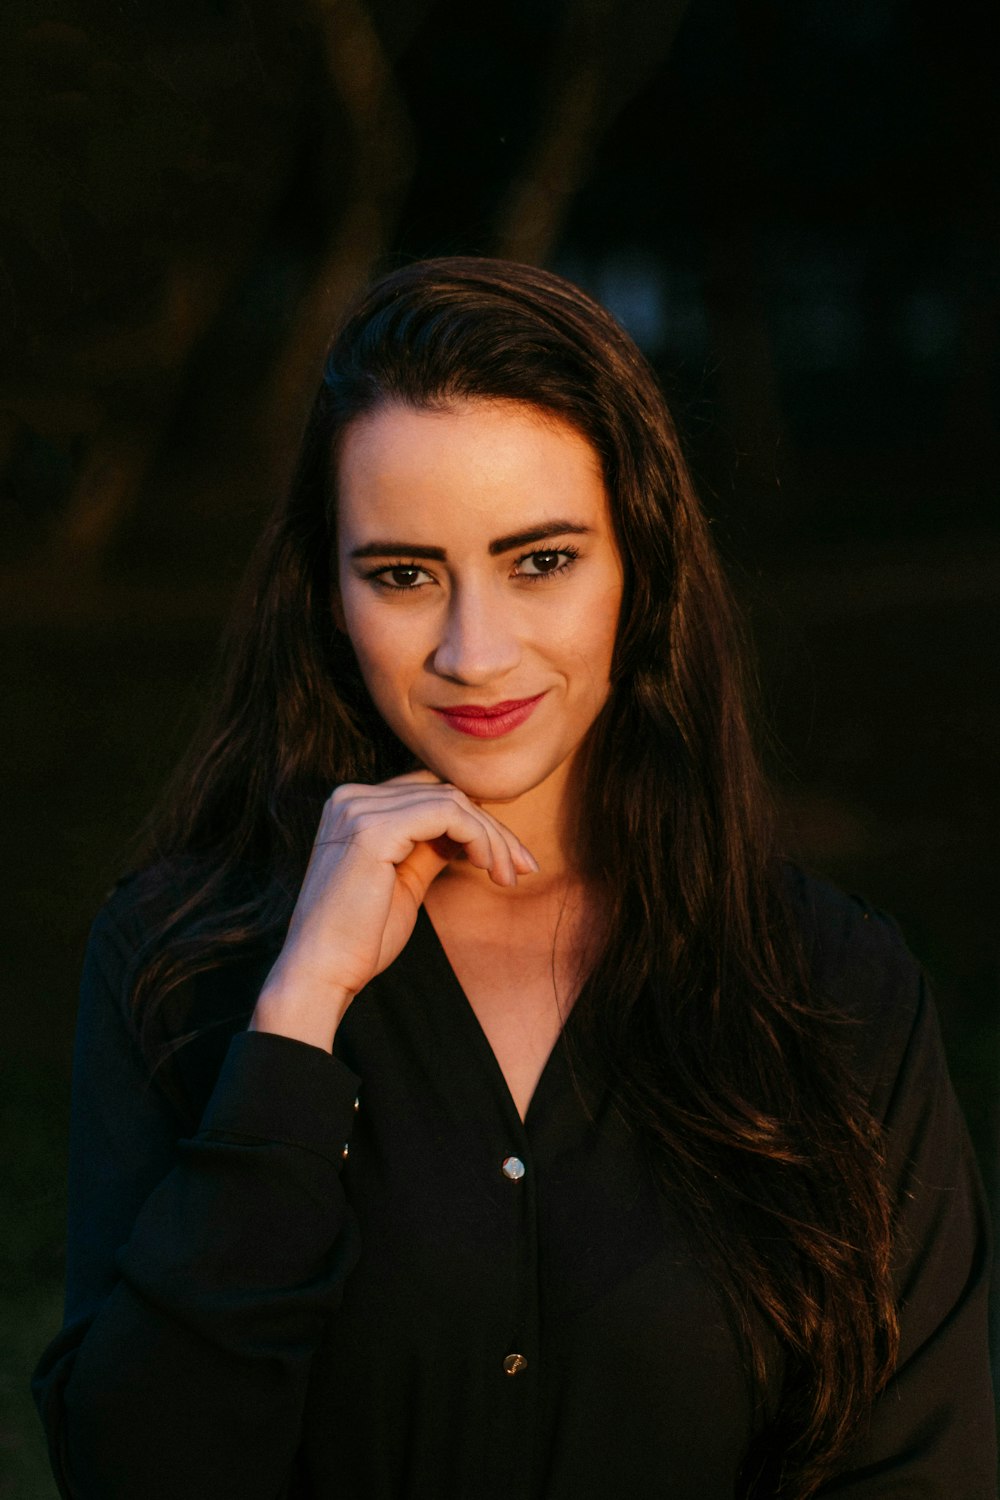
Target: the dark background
(794, 208)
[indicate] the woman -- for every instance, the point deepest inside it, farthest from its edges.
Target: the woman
(529, 1129)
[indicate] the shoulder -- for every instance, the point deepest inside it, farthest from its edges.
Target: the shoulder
(861, 971)
(122, 936)
(173, 902)
(134, 910)
(852, 947)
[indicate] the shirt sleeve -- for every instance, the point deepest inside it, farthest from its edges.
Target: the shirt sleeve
(932, 1431)
(201, 1271)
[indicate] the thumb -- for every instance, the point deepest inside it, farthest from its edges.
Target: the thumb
(422, 866)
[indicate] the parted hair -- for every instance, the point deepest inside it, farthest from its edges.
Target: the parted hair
(715, 1050)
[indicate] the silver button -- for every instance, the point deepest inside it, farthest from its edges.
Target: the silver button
(513, 1167)
(344, 1153)
(357, 1105)
(514, 1364)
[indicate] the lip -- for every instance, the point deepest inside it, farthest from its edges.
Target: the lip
(489, 721)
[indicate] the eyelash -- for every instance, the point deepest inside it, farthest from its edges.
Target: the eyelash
(378, 576)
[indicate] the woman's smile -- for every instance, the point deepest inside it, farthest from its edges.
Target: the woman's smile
(489, 723)
(480, 585)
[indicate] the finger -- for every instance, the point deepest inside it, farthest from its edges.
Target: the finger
(521, 860)
(390, 832)
(346, 792)
(503, 847)
(509, 856)
(389, 799)
(428, 781)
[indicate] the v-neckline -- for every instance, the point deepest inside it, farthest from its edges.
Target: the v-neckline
(474, 1028)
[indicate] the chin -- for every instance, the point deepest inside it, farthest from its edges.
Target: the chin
(485, 790)
(490, 783)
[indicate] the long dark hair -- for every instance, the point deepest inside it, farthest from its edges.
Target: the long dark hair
(714, 1049)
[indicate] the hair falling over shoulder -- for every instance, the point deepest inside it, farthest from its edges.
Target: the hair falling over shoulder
(715, 1050)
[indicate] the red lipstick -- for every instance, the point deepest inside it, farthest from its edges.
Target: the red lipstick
(489, 721)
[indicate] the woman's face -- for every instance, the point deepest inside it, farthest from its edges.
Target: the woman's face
(480, 586)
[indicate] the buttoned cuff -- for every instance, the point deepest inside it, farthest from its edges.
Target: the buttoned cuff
(273, 1088)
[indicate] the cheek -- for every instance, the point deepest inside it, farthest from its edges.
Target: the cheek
(594, 630)
(367, 640)
(379, 661)
(388, 654)
(367, 628)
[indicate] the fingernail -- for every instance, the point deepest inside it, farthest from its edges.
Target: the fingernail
(532, 861)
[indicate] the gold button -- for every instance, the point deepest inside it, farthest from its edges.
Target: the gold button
(514, 1364)
(344, 1153)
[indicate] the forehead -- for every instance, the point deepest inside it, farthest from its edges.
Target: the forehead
(471, 466)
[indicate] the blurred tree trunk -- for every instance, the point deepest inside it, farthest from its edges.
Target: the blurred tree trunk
(122, 446)
(380, 155)
(605, 54)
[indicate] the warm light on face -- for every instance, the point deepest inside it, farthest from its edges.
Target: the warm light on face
(480, 585)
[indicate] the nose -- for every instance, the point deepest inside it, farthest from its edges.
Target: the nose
(479, 643)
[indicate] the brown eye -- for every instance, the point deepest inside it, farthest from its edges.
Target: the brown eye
(544, 564)
(399, 578)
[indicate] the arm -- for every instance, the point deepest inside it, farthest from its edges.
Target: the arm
(201, 1271)
(932, 1429)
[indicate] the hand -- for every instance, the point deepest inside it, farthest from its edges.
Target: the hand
(376, 852)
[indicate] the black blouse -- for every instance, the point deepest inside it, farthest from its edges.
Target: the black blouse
(362, 1276)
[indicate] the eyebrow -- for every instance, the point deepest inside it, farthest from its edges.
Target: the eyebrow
(497, 547)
